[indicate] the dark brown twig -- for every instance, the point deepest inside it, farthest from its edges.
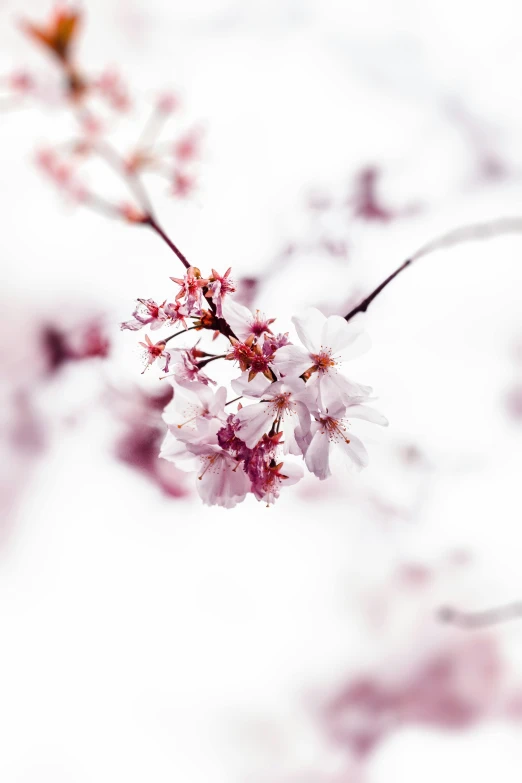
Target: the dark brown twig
(473, 232)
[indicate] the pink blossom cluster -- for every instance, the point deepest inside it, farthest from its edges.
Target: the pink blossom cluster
(296, 404)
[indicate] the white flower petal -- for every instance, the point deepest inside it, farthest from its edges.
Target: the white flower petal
(221, 482)
(317, 456)
(292, 360)
(256, 420)
(174, 450)
(254, 388)
(366, 413)
(238, 317)
(335, 388)
(341, 336)
(292, 473)
(354, 449)
(309, 327)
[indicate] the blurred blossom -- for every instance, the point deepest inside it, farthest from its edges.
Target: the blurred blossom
(142, 430)
(432, 675)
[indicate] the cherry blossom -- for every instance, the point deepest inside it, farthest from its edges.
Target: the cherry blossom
(245, 325)
(328, 343)
(266, 473)
(296, 403)
(191, 289)
(187, 366)
(193, 402)
(330, 430)
(147, 313)
(155, 352)
(295, 400)
(220, 482)
(281, 407)
(218, 288)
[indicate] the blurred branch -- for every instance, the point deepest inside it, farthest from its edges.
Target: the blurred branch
(485, 618)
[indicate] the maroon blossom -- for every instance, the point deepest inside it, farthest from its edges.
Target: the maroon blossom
(228, 440)
(143, 431)
(87, 341)
(366, 203)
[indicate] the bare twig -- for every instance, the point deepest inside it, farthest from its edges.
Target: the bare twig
(474, 232)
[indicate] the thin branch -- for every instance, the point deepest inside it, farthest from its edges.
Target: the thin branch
(212, 359)
(153, 223)
(172, 336)
(236, 399)
(474, 232)
(487, 617)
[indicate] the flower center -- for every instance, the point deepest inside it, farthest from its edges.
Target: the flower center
(334, 428)
(322, 361)
(282, 403)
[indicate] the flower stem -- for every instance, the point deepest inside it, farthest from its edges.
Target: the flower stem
(182, 331)
(212, 359)
(151, 221)
(236, 399)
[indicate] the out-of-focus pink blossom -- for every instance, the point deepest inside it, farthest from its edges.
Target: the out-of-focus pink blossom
(79, 342)
(167, 103)
(186, 148)
(143, 430)
(111, 87)
(183, 184)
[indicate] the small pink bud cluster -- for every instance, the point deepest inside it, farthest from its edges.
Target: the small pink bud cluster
(297, 405)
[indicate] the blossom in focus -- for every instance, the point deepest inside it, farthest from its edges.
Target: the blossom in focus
(329, 432)
(218, 287)
(155, 352)
(296, 401)
(187, 367)
(250, 356)
(281, 407)
(328, 343)
(245, 325)
(147, 313)
(266, 473)
(220, 482)
(191, 286)
(192, 403)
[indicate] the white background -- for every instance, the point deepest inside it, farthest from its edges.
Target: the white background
(146, 639)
